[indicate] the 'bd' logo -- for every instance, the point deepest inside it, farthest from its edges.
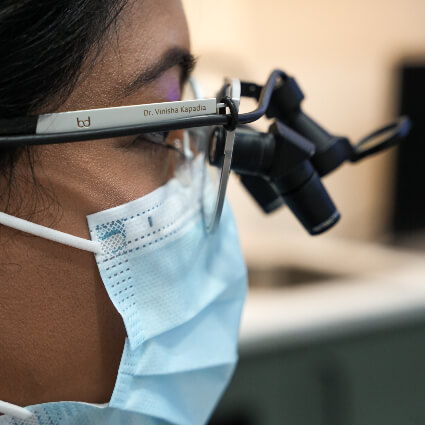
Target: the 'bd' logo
(83, 123)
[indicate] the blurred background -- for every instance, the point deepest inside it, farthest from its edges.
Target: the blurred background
(334, 329)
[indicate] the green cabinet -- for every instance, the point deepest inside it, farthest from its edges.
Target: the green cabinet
(375, 378)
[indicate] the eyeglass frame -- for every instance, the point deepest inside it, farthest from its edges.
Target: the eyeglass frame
(22, 131)
(41, 129)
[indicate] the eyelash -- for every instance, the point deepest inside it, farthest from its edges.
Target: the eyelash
(150, 142)
(154, 141)
(158, 138)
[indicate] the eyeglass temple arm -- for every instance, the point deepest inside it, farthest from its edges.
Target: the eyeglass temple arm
(27, 125)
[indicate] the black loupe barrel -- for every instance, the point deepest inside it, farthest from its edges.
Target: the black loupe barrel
(264, 193)
(312, 205)
(252, 152)
(275, 168)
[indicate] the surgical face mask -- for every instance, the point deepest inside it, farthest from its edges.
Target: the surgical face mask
(180, 292)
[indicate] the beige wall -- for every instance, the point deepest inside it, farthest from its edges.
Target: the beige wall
(343, 53)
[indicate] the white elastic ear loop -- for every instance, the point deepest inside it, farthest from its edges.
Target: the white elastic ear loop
(15, 411)
(50, 234)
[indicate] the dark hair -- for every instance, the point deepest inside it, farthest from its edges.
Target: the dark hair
(43, 45)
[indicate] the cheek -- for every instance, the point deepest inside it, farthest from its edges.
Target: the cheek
(141, 170)
(93, 176)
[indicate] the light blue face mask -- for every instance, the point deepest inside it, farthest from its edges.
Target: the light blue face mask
(180, 293)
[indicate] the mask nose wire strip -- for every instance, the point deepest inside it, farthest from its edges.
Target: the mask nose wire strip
(50, 234)
(15, 411)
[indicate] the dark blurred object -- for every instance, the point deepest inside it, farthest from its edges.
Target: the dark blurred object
(409, 200)
(368, 377)
(289, 275)
(285, 165)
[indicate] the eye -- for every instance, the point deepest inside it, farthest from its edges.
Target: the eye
(157, 142)
(158, 138)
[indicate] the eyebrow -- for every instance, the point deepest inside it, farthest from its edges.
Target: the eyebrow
(172, 57)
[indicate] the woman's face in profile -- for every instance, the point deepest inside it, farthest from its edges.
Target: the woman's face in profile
(62, 338)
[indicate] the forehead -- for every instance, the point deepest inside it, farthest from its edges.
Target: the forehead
(144, 30)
